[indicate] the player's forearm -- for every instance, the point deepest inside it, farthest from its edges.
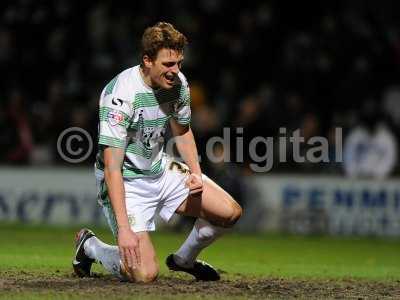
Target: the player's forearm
(113, 158)
(116, 192)
(186, 146)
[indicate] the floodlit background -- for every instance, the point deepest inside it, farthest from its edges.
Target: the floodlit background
(259, 65)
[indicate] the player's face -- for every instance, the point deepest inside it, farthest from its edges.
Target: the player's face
(165, 68)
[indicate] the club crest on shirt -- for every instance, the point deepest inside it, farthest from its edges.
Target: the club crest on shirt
(131, 220)
(114, 117)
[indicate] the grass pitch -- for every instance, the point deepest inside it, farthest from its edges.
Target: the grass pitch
(35, 263)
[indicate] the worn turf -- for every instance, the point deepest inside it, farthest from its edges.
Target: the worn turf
(35, 264)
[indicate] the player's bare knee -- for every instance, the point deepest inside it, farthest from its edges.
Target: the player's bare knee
(142, 274)
(147, 275)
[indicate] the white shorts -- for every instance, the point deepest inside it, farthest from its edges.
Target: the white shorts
(144, 197)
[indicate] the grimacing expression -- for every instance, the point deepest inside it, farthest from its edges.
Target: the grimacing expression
(165, 67)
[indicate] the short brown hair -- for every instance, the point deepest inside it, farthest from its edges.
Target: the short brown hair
(162, 35)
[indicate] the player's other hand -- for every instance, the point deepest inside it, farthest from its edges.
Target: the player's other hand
(128, 244)
(195, 184)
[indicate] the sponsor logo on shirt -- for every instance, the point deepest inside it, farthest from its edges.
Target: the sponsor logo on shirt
(115, 117)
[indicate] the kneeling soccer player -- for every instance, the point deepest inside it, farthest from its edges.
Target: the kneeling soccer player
(136, 179)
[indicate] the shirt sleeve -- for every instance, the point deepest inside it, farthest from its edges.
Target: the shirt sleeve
(182, 113)
(115, 113)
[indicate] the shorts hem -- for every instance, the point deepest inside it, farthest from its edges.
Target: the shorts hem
(143, 228)
(172, 210)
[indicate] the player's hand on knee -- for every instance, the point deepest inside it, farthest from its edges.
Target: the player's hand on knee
(128, 244)
(195, 184)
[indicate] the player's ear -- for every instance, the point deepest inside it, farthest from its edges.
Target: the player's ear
(147, 61)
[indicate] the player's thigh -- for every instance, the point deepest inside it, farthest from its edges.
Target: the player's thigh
(148, 269)
(214, 205)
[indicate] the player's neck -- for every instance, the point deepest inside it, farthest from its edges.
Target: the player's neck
(146, 78)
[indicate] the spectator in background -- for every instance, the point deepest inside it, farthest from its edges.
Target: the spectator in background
(227, 174)
(391, 103)
(335, 143)
(339, 54)
(16, 136)
(310, 127)
(370, 149)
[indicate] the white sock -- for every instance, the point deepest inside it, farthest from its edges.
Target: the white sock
(201, 236)
(105, 254)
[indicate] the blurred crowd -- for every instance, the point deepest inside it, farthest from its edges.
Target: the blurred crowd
(265, 65)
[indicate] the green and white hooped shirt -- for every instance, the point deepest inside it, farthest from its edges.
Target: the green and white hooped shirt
(134, 117)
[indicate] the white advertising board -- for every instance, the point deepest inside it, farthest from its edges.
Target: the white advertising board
(322, 204)
(288, 203)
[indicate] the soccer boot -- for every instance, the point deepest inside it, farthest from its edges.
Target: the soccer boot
(200, 270)
(82, 263)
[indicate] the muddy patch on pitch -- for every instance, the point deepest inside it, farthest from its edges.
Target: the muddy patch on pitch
(103, 286)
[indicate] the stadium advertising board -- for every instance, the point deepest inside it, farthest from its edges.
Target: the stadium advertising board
(297, 204)
(53, 196)
(329, 205)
